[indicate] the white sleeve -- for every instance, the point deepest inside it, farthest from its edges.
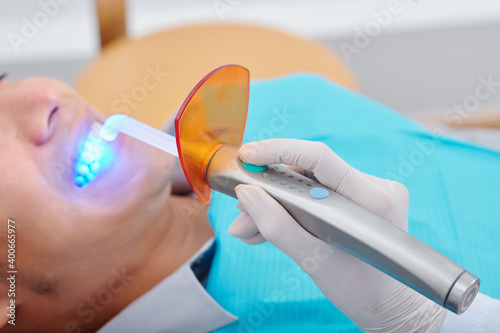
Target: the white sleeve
(483, 316)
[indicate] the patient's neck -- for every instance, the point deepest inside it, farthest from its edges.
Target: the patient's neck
(182, 228)
(182, 231)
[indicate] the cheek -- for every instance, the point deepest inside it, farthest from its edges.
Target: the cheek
(23, 191)
(149, 169)
(156, 168)
(148, 173)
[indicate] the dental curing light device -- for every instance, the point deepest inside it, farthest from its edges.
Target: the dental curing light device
(209, 130)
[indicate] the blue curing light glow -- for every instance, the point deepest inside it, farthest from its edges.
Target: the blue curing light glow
(95, 155)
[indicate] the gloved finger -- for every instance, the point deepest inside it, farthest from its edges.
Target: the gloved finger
(330, 170)
(295, 169)
(254, 240)
(302, 171)
(276, 225)
(326, 166)
(240, 207)
(243, 227)
(387, 199)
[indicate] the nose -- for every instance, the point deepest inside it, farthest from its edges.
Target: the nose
(31, 106)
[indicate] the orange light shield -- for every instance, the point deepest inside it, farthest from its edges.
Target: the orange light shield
(214, 114)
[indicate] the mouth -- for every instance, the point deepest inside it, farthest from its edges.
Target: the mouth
(94, 156)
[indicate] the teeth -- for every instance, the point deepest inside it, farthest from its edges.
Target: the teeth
(88, 146)
(82, 169)
(87, 156)
(94, 167)
(80, 181)
(88, 165)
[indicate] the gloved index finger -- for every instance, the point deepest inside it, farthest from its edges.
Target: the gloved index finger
(317, 157)
(381, 196)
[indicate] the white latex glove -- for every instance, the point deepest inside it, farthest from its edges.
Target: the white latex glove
(374, 301)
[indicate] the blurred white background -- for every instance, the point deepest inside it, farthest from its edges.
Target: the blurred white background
(423, 59)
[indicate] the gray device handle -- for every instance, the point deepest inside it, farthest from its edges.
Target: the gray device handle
(341, 222)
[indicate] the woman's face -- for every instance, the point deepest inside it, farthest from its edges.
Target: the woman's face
(69, 238)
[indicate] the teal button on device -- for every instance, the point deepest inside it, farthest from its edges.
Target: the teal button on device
(253, 167)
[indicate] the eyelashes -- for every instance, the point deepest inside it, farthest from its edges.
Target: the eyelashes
(3, 76)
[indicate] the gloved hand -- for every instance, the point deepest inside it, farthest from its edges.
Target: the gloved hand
(374, 301)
